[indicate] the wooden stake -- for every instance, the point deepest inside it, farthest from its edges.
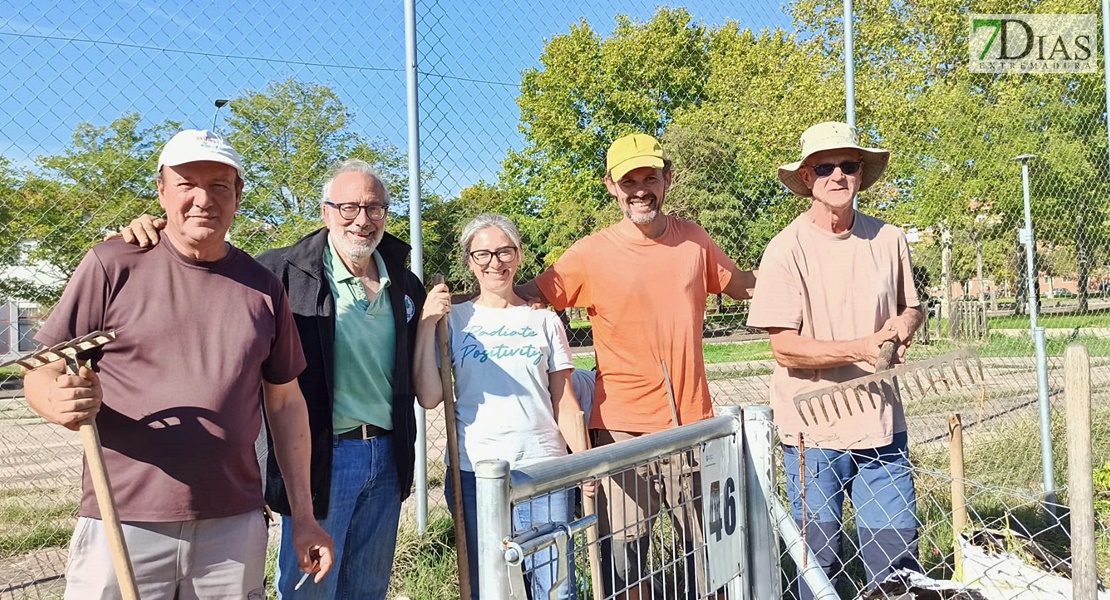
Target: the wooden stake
(457, 511)
(589, 505)
(959, 497)
(1081, 491)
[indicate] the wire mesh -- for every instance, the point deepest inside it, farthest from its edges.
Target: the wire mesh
(517, 107)
(651, 536)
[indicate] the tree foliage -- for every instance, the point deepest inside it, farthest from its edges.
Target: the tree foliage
(289, 135)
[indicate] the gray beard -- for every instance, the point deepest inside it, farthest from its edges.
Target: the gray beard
(642, 218)
(357, 252)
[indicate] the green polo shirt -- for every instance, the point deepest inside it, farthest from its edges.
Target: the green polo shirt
(364, 344)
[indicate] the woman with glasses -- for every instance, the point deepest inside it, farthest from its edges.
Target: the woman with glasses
(514, 398)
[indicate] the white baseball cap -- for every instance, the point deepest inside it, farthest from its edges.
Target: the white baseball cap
(195, 145)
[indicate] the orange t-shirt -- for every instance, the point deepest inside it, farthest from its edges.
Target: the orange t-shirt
(833, 287)
(646, 303)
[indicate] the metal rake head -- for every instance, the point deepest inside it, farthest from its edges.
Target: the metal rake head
(827, 405)
(66, 351)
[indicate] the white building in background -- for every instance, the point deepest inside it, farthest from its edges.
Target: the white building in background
(20, 320)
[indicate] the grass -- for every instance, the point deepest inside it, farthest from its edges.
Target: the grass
(714, 354)
(1002, 346)
(11, 373)
(997, 346)
(585, 361)
(1002, 492)
(1094, 319)
(27, 526)
(425, 566)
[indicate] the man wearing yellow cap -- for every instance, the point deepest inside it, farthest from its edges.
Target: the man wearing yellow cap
(834, 285)
(644, 282)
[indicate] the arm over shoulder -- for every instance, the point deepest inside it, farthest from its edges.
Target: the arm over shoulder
(566, 283)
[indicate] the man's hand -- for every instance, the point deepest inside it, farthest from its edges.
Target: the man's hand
(906, 324)
(141, 232)
(315, 548)
(71, 398)
(437, 305)
(870, 345)
(589, 488)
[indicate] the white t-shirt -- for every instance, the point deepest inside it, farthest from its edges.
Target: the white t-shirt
(502, 359)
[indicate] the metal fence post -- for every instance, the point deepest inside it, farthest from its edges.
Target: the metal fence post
(1046, 420)
(494, 525)
(759, 471)
(417, 242)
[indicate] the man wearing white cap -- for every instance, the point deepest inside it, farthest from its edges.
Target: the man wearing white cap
(644, 281)
(834, 285)
(204, 334)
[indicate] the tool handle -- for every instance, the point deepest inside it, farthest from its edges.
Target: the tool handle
(445, 378)
(102, 488)
(886, 355)
(589, 505)
(670, 393)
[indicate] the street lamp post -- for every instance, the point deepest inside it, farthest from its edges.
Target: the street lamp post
(1026, 237)
(220, 102)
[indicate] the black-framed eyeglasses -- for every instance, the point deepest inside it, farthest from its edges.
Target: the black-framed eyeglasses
(504, 254)
(847, 167)
(350, 210)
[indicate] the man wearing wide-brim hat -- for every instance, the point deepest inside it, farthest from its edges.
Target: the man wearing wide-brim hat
(833, 286)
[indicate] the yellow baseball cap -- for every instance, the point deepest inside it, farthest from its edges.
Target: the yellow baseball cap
(632, 152)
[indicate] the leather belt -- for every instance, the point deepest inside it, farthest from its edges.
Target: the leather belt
(365, 431)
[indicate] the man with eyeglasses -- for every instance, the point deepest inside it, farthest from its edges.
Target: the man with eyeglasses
(644, 281)
(834, 285)
(356, 307)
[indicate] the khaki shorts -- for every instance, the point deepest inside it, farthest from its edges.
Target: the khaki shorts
(186, 560)
(628, 504)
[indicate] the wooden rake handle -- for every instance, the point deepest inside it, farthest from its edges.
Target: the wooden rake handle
(589, 506)
(102, 487)
(886, 355)
(457, 511)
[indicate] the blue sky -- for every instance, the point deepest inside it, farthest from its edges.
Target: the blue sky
(65, 62)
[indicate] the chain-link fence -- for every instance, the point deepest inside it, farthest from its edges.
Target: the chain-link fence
(517, 108)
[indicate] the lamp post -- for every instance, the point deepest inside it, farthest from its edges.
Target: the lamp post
(220, 102)
(1026, 237)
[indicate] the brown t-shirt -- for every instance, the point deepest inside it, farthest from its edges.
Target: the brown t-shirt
(646, 302)
(833, 287)
(183, 380)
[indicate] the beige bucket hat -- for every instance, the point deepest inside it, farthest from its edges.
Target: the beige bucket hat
(833, 135)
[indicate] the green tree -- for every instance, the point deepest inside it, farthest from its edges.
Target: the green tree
(95, 185)
(290, 135)
(589, 91)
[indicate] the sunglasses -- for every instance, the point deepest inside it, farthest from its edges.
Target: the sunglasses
(847, 167)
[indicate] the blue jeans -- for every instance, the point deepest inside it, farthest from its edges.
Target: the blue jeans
(880, 484)
(362, 521)
(542, 567)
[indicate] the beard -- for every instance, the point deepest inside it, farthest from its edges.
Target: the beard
(643, 218)
(357, 249)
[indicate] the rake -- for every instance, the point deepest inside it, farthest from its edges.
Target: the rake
(827, 405)
(94, 452)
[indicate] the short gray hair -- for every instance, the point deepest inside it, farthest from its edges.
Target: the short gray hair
(353, 165)
(485, 221)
